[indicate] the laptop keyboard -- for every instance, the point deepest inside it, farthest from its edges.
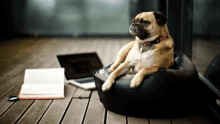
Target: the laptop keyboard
(85, 81)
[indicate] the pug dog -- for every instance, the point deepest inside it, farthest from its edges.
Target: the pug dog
(152, 49)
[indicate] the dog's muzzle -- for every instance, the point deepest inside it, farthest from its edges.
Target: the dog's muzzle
(132, 30)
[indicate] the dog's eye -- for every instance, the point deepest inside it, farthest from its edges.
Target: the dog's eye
(146, 22)
(141, 21)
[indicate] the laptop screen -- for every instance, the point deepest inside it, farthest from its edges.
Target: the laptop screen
(79, 65)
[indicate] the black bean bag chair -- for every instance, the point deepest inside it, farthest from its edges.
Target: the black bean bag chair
(168, 92)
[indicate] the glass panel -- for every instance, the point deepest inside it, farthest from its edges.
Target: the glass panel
(75, 17)
(206, 39)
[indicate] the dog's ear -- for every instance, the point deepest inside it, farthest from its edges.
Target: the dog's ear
(160, 18)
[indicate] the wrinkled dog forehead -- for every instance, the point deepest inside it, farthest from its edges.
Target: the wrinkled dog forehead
(145, 16)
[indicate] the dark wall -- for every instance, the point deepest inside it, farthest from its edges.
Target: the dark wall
(12, 17)
(206, 18)
(6, 24)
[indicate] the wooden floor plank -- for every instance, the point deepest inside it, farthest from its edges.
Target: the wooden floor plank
(96, 112)
(203, 115)
(4, 103)
(76, 111)
(11, 84)
(34, 113)
(159, 121)
(200, 118)
(81, 93)
(25, 59)
(84, 46)
(182, 120)
(102, 52)
(16, 49)
(113, 118)
(14, 112)
(133, 120)
(109, 50)
(58, 107)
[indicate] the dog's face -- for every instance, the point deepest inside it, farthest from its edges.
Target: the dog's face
(147, 24)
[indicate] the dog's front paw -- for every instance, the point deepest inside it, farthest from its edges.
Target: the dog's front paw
(107, 86)
(135, 82)
(112, 68)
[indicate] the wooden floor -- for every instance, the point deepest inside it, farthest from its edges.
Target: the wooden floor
(79, 106)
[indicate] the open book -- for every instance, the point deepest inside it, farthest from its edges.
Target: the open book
(43, 84)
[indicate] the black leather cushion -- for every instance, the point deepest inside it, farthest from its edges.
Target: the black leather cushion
(168, 92)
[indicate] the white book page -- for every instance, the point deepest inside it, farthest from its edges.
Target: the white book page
(44, 76)
(45, 89)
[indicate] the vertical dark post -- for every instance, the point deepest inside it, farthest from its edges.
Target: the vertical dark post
(174, 21)
(163, 7)
(179, 14)
(186, 27)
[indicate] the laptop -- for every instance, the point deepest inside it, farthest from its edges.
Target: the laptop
(79, 68)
